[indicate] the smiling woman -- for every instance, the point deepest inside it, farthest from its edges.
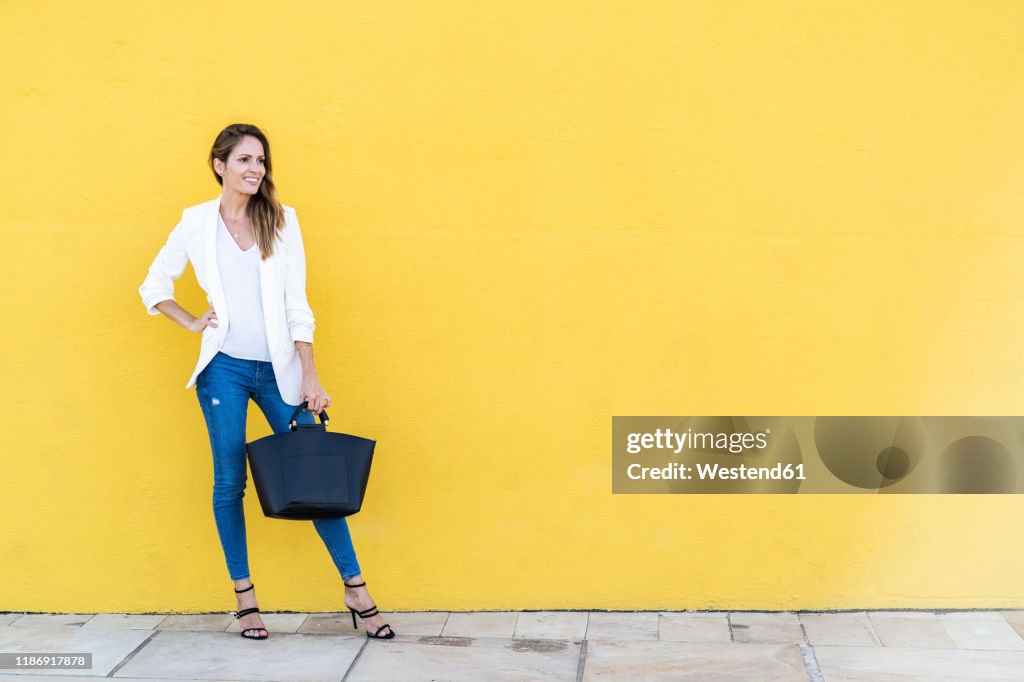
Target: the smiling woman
(259, 347)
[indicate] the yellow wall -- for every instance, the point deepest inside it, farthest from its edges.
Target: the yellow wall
(521, 218)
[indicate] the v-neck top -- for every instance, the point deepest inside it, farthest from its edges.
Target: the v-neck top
(246, 337)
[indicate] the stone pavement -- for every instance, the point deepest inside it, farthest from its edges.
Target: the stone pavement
(535, 645)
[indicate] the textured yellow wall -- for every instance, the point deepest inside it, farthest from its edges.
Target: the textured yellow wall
(521, 218)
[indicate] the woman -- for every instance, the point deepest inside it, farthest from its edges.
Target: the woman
(257, 342)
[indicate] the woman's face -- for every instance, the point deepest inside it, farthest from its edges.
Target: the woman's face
(245, 168)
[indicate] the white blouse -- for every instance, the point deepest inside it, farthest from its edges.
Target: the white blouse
(246, 337)
(282, 280)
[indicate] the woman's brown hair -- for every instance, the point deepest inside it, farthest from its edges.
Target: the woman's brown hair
(264, 209)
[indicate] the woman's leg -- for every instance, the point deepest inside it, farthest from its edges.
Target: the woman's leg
(223, 389)
(333, 532)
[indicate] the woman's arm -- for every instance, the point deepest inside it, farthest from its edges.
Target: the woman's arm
(168, 265)
(171, 309)
(311, 389)
(298, 315)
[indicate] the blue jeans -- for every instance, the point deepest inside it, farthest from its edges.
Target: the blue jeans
(224, 388)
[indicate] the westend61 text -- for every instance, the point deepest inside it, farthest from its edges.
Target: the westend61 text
(707, 472)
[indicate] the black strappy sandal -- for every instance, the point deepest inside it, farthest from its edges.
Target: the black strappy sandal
(246, 612)
(369, 613)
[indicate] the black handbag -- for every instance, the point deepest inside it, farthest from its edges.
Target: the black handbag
(308, 472)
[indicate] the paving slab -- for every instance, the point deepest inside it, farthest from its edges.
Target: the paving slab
(416, 623)
(1015, 619)
(330, 624)
(108, 647)
(680, 626)
(840, 629)
(37, 620)
(622, 625)
(82, 678)
(499, 624)
(917, 615)
(274, 622)
(225, 656)
(884, 664)
(198, 621)
(124, 621)
(981, 630)
(568, 625)
(910, 630)
(458, 659)
(766, 628)
(8, 618)
(673, 661)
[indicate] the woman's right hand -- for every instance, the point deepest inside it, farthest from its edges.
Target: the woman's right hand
(209, 318)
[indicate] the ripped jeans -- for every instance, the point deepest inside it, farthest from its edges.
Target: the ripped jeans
(224, 388)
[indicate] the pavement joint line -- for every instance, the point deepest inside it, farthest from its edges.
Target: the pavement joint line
(814, 673)
(728, 621)
(448, 617)
(134, 651)
(582, 661)
(874, 633)
(355, 660)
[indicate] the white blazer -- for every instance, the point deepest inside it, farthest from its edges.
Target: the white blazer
(286, 311)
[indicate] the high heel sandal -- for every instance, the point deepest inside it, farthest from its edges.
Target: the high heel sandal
(369, 613)
(246, 612)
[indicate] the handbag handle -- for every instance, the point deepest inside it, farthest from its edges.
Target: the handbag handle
(294, 421)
